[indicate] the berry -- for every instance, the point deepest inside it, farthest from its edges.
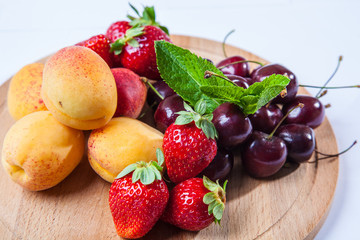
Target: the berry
(266, 118)
(220, 167)
(187, 151)
(312, 114)
(299, 140)
(138, 199)
(232, 125)
(134, 48)
(263, 156)
(165, 114)
(195, 203)
(163, 89)
(240, 69)
(101, 45)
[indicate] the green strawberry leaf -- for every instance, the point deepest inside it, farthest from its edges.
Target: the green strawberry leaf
(132, 32)
(127, 170)
(202, 121)
(148, 17)
(184, 72)
(160, 156)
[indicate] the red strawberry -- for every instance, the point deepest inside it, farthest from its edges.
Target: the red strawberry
(135, 48)
(101, 45)
(195, 203)
(138, 200)
(189, 147)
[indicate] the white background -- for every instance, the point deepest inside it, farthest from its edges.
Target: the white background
(306, 36)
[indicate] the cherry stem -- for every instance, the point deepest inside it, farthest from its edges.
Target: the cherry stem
(223, 43)
(244, 61)
(209, 74)
(340, 87)
(301, 105)
(332, 75)
(337, 154)
(145, 80)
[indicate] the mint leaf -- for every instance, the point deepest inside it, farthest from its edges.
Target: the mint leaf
(251, 99)
(184, 72)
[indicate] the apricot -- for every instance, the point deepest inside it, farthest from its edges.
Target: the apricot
(79, 88)
(121, 142)
(131, 93)
(39, 152)
(24, 91)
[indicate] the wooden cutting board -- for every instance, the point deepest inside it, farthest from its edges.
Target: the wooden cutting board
(291, 205)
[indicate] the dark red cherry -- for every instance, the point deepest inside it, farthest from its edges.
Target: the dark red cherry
(266, 118)
(240, 69)
(220, 167)
(311, 114)
(262, 72)
(153, 99)
(240, 81)
(232, 125)
(165, 113)
(263, 156)
(299, 140)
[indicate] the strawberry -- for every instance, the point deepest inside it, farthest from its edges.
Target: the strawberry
(189, 144)
(138, 197)
(101, 45)
(195, 203)
(135, 49)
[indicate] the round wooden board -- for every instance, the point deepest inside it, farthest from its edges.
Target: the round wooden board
(291, 205)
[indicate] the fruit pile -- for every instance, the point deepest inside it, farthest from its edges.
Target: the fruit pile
(202, 113)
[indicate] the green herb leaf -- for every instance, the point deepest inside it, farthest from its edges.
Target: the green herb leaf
(184, 72)
(251, 99)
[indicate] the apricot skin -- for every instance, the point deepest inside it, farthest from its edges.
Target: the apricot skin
(121, 142)
(131, 93)
(79, 88)
(39, 152)
(24, 91)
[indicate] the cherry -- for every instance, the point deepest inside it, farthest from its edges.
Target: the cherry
(312, 114)
(262, 72)
(299, 140)
(266, 118)
(240, 69)
(163, 89)
(232, 125)
(165, 113)
(240, 81)
(263, 155)
(220, 167)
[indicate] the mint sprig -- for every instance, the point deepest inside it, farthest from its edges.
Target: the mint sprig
(252, 98)
(184, 72)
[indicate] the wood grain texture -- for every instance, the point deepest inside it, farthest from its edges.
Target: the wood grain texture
(293, 204)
